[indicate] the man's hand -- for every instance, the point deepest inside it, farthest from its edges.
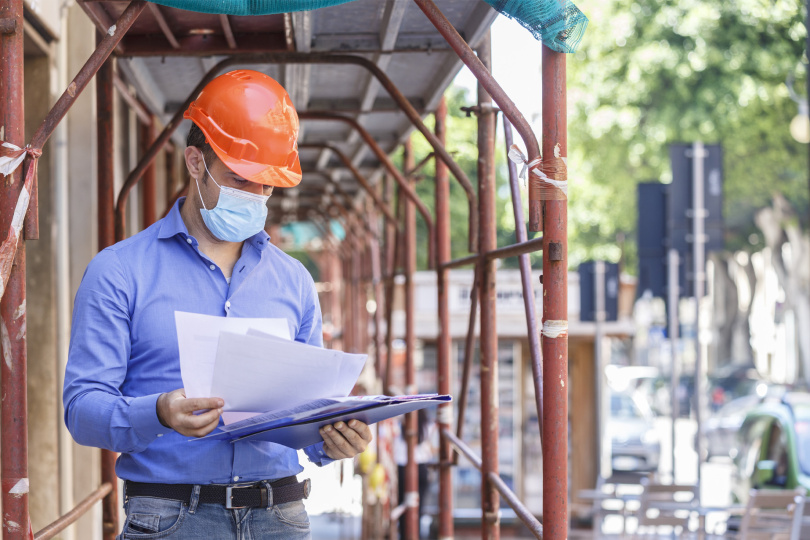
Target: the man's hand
(343, 440)
(176, 411)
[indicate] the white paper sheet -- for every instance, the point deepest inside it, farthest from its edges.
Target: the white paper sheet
(197, 337)
(254, 373)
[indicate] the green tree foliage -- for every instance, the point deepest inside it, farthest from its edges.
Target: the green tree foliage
(654, 72)
(462, 143)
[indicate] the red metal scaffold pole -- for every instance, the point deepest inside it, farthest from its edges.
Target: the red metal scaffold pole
(443, 346)
(411, 501)
(490, 499)
(555, 307)
(14, 455)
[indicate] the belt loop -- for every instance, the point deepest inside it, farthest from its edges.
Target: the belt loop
(195, 499)
(269, 491)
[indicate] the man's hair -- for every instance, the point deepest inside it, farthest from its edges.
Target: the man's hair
(196, 138)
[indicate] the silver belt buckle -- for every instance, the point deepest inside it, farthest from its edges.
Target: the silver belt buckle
(229, 498)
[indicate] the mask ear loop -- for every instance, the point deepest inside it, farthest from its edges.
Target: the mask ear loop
(197, 181)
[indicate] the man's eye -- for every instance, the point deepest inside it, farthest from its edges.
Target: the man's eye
(239, 181)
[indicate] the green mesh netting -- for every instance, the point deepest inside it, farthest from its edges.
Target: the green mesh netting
(559, 24)
(248, 7)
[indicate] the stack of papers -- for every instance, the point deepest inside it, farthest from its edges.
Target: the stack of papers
(276, 389)
(254, 369)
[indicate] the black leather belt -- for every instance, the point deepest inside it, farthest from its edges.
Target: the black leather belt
(250, 496)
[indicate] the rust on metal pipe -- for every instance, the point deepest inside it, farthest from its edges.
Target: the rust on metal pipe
(105, 171)
(515, 250)
(75, 88)
(182, 192)
(444, 340)
(480, 71)
(488, 339)
(512, 250)
(357, 327)
(462, 448)
(31, 223)
(13, 383)
(8, 25)
(526, 282)
(379, 293)
(392, 237)
(555, 310)
(404, 185)
(164, 26)
(425, 161)
(71, 517)
(301, 58)
(144, 116)
(411, 424)
(106, 237)
(227, 30)
(520, 509)
(357, 175)
(469, 346)
(146, 136)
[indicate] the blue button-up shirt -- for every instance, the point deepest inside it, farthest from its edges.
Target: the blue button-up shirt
(124, 352)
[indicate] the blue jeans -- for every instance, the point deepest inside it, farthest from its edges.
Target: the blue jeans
(149, 517)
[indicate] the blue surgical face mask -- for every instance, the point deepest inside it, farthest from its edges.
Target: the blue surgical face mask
(238, 214)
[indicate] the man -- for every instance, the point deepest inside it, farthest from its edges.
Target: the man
(210, 255)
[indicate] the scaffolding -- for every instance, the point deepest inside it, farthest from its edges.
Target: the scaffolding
(375, 237)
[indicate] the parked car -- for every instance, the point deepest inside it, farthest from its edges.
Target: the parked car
(634, 443)
(774, 446)
(722, 428)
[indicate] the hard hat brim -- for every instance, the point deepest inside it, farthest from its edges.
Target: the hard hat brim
(268, 175)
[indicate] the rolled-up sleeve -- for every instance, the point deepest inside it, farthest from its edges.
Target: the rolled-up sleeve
(96, 412)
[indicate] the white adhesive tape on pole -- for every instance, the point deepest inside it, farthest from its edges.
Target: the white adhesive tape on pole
(445, 414)
(412, 499)
(555, 329)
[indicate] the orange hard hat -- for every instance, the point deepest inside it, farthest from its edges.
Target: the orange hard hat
(251, 124)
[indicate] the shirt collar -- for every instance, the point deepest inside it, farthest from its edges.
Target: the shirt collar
(173, 225)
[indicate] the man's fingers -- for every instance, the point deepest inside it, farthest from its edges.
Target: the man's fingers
(199, 404)
(354, 439)
(198, 421)
(362, 429)
(336, 441)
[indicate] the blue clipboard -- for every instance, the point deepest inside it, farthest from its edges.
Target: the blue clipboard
(303, 431)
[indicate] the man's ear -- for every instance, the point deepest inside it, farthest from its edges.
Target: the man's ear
(194, 163)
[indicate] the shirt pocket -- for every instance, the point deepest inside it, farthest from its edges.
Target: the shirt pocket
(150, 517)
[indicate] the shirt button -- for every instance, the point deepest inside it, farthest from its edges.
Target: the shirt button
(235, 478)
(212, 267)
(188, 240)
(160, 434)
(228, 304)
